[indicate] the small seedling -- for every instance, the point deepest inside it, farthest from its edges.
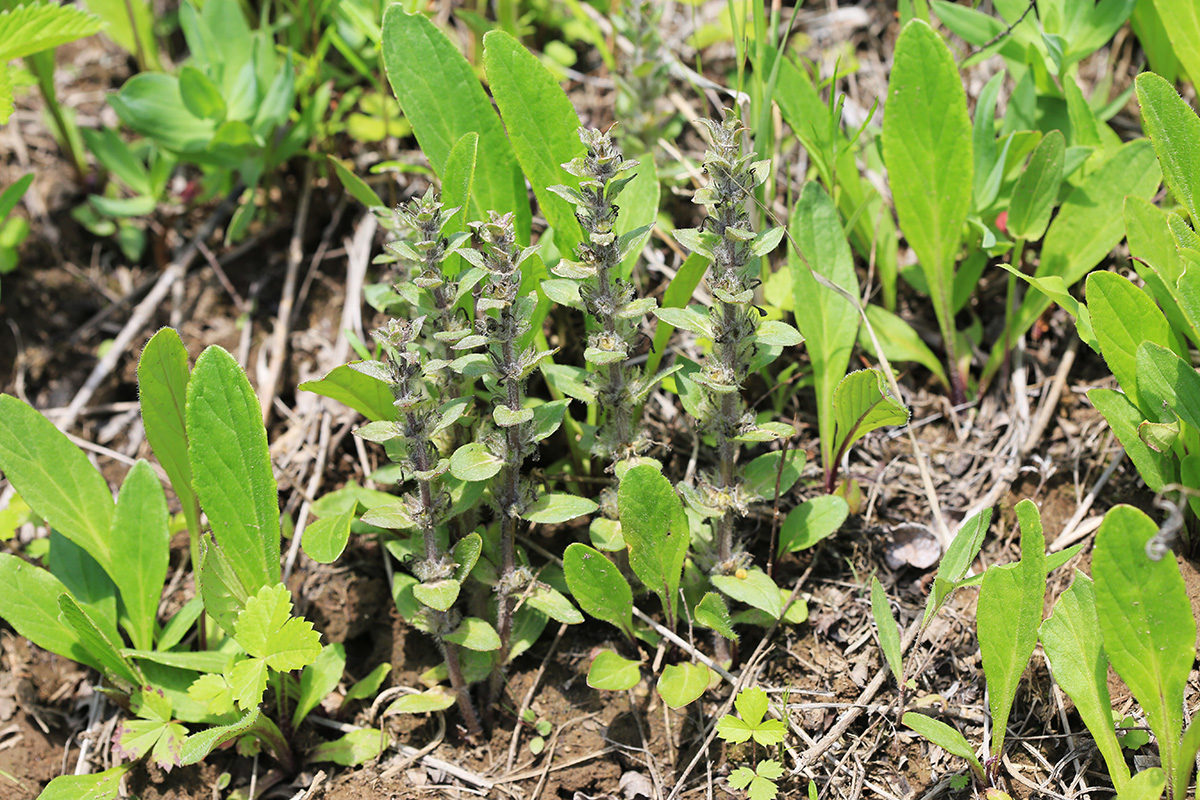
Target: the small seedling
(759, 780)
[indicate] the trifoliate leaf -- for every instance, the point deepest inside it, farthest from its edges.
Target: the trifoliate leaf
(266, 629)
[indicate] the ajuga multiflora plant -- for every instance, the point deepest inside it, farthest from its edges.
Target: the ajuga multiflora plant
(426, 411)
(735, 328)
(643, 78)
(619, 387)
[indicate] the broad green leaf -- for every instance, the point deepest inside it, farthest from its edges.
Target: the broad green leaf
(1085, 131)
(231, 467)
(861, 404)
(639, 209)
(1053, 287)
(552, 508)
(179, 624)
(828, 320)
(221, 588)
(366, 394)
(13, 193)
(778, 334)
(751, 704)
(945, 737)
(325, 539)
(200, 95)
(29, 29)
(473, 462)
(439, 595)
(359, 189)
(610, 672)
(56, 479)
(141, 543)
(1174, 129)
(1124, 316)
(198, 746)
(1146, 621)
(927, 148)
(957, 560)
(1036, 191)
(1072, 641)
(1088, 226)
(899, 342)
(678, 293)
(598, 586)
(711, 612)
(887, 629)
(163, 376)
(29, 604)
(988, 161)
(103, 650)
(656, 531)
(1165, 379)
(368, 686)
(812, 521)
(319, 679)
(542, 127)
(104, 785)
(681, 684)
(86, 582)
(151, 104)
(1008, 617)
(754, 588)
(353, 748)
(1124, 418)
(442, 98)
(475, 634)
(554, 604)
(266, 629)
(1181, 18)
(689, 319)
(1159, 264)
(436, 699)
(1146, 785)
(196, 661)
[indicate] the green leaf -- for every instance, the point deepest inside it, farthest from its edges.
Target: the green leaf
(319, 679)
(542, 127)
(29, 604)
(1124, 418)
(198, 746)
(103, 650)
(6, 97)
(1160, 265)
(196, 661)
(104, 785)
(689, 319)
(1181, 19)
(1008, 617)
(944, 737)
(1036, 191)
(554, 604)
(927, 147)
(151, 104)
(130, 25)
(163, 376)
(711, 612)
(475, 634)
(1087, 227)
(180, 623)
(861, 404)
(1123, 317)
(598, 586)
(755, 589)
(86, 582)
(366, 394)
(222, 590)
(266, 629)
(439, 595)
(352, 749)
(473, 462)
(812, 521)
(1072, 641)
(29, 29)
(1053, 287)
(1146, 785)
(458, 180)
(56, 479)
(231, 466)
(442, 98)
(436, 699)
(681, 684)
(141, 543)
(656, 531)
(200, 95)
(828, 321)
(1146, 621)
(1166, 380)
(325, 539)
(887, 629)
(899, 342)
(368, 686)
(359, 189)
(611, 673)
(778, 334)
(679, 292)
(957, 560)
(553, 508)
(639, 211)
(1175, 131)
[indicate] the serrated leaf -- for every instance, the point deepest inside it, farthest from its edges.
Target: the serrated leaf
(266, 629)
(29, 29)
(247, 682)
(711, 612)
(1174, 129)
(104, 785)
(213, 692)
(681, 684)
(610, 672)
(198, 746)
